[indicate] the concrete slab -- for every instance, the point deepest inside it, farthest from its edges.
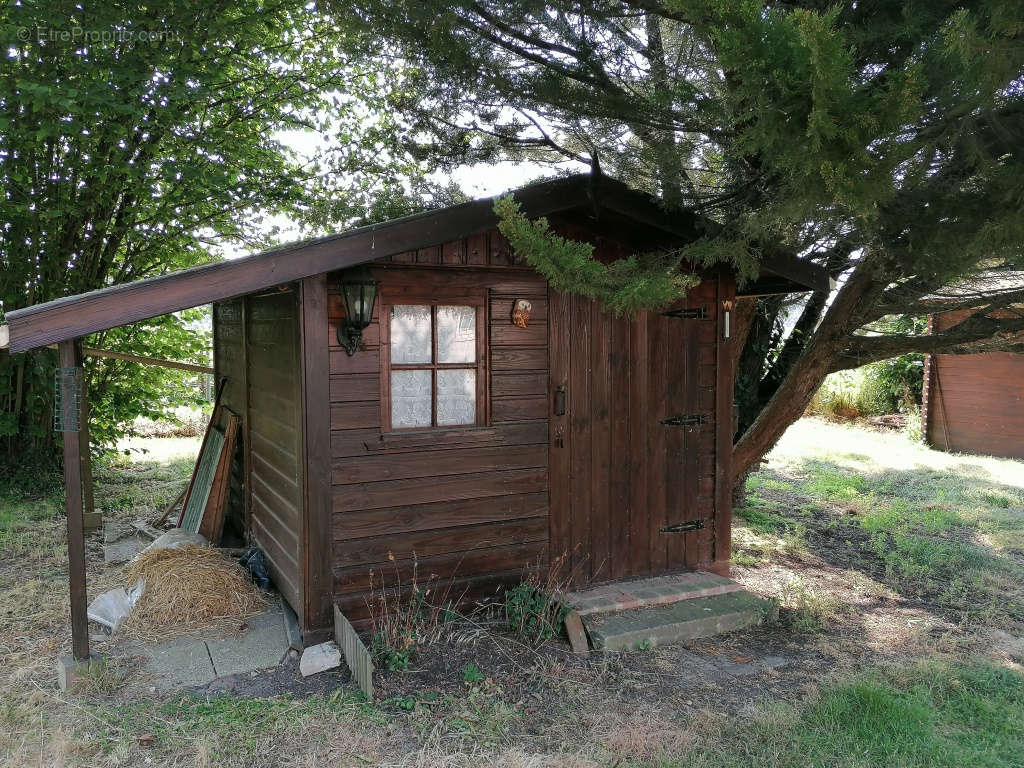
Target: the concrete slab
(263, 644)
(123, 550)
(680, 621)
(178, 663)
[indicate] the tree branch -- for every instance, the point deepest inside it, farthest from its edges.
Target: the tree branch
(979, 333)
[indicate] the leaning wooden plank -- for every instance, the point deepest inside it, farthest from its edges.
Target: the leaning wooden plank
(212, 524)
(355, 652)
(147, 530)
(192, 512)
(202, 447)
(171, 507)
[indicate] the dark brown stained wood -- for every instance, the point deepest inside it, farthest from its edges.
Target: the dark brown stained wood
(724, 385)
(560, 524)
(276, 507)
(974, 403)
(454, 252)
(504, 409)
(657, 466)
(316, 428)
(369, 469)
(501, 308)
(451, 488)
(477, 249)
(362, 442)
(275, 403)
(647, 221)
(80, 315)
(354, 415)
(211, 524)
(70, 356)
(280, 565)
(370, 338)
(639, 562)
(466, 590)
(504, 334)
(519, 359)
(439, 568)
(500, 251)
(354, 388)
(381, 549)
(504, 384)
(277, 455)
(429, 255)
(619, 478)
(580, 419)
(363, 361)
(687, 544)
(452, 283)
(230, 368)
(600, 443)
(626, 476)
(444, 514)
(276, 444)
(677, 341)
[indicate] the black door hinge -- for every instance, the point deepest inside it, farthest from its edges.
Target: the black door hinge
(689, 525)
(690, 420)
(694, 313)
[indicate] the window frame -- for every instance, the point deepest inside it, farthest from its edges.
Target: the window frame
(478, 301)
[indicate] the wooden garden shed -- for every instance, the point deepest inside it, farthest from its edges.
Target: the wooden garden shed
(483, 424)
(975, 403)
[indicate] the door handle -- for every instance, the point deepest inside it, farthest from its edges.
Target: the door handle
(560, 399)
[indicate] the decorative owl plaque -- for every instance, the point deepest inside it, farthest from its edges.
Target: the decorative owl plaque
(521, 313)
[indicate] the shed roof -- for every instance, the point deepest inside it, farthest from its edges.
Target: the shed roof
(587, 198)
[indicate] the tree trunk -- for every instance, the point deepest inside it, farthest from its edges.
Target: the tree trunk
(805, 377)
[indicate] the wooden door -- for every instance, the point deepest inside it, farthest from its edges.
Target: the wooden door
(619, 475)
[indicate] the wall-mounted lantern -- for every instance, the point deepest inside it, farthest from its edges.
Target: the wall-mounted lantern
(359, 292)
(726, 318)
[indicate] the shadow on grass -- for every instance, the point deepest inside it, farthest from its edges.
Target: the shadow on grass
(951, 540)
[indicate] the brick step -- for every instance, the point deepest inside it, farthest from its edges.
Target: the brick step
(678, 622)
(640, 593)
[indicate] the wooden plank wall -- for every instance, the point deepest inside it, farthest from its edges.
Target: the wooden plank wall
(229, 363)
(618, 474)
(273, 359)
(975, 403)
(467, 506)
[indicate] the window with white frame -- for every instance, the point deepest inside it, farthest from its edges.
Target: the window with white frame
(434, 366)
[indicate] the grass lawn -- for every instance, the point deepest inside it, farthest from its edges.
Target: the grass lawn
(900, 572)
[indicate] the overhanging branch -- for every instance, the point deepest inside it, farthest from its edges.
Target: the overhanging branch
(979, 333)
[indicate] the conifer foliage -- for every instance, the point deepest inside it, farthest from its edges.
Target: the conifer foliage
(881, 139)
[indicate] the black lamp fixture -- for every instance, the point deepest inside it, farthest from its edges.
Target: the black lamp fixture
(359, 291)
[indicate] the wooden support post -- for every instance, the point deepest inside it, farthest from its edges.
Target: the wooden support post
(70, 353)
(90, 520)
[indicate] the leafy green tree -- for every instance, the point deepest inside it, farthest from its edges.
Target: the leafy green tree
(137, 138)
(880, 139)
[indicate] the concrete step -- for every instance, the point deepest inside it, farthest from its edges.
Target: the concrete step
(640, 593)
(679, 621)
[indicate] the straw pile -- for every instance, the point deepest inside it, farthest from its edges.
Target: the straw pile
(189, 589)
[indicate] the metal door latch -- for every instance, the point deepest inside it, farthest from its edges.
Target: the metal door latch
(689, 420)
(692, 313)
(689, 525)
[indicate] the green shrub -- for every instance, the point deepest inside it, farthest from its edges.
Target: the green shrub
(533, 613)
(887, 386)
